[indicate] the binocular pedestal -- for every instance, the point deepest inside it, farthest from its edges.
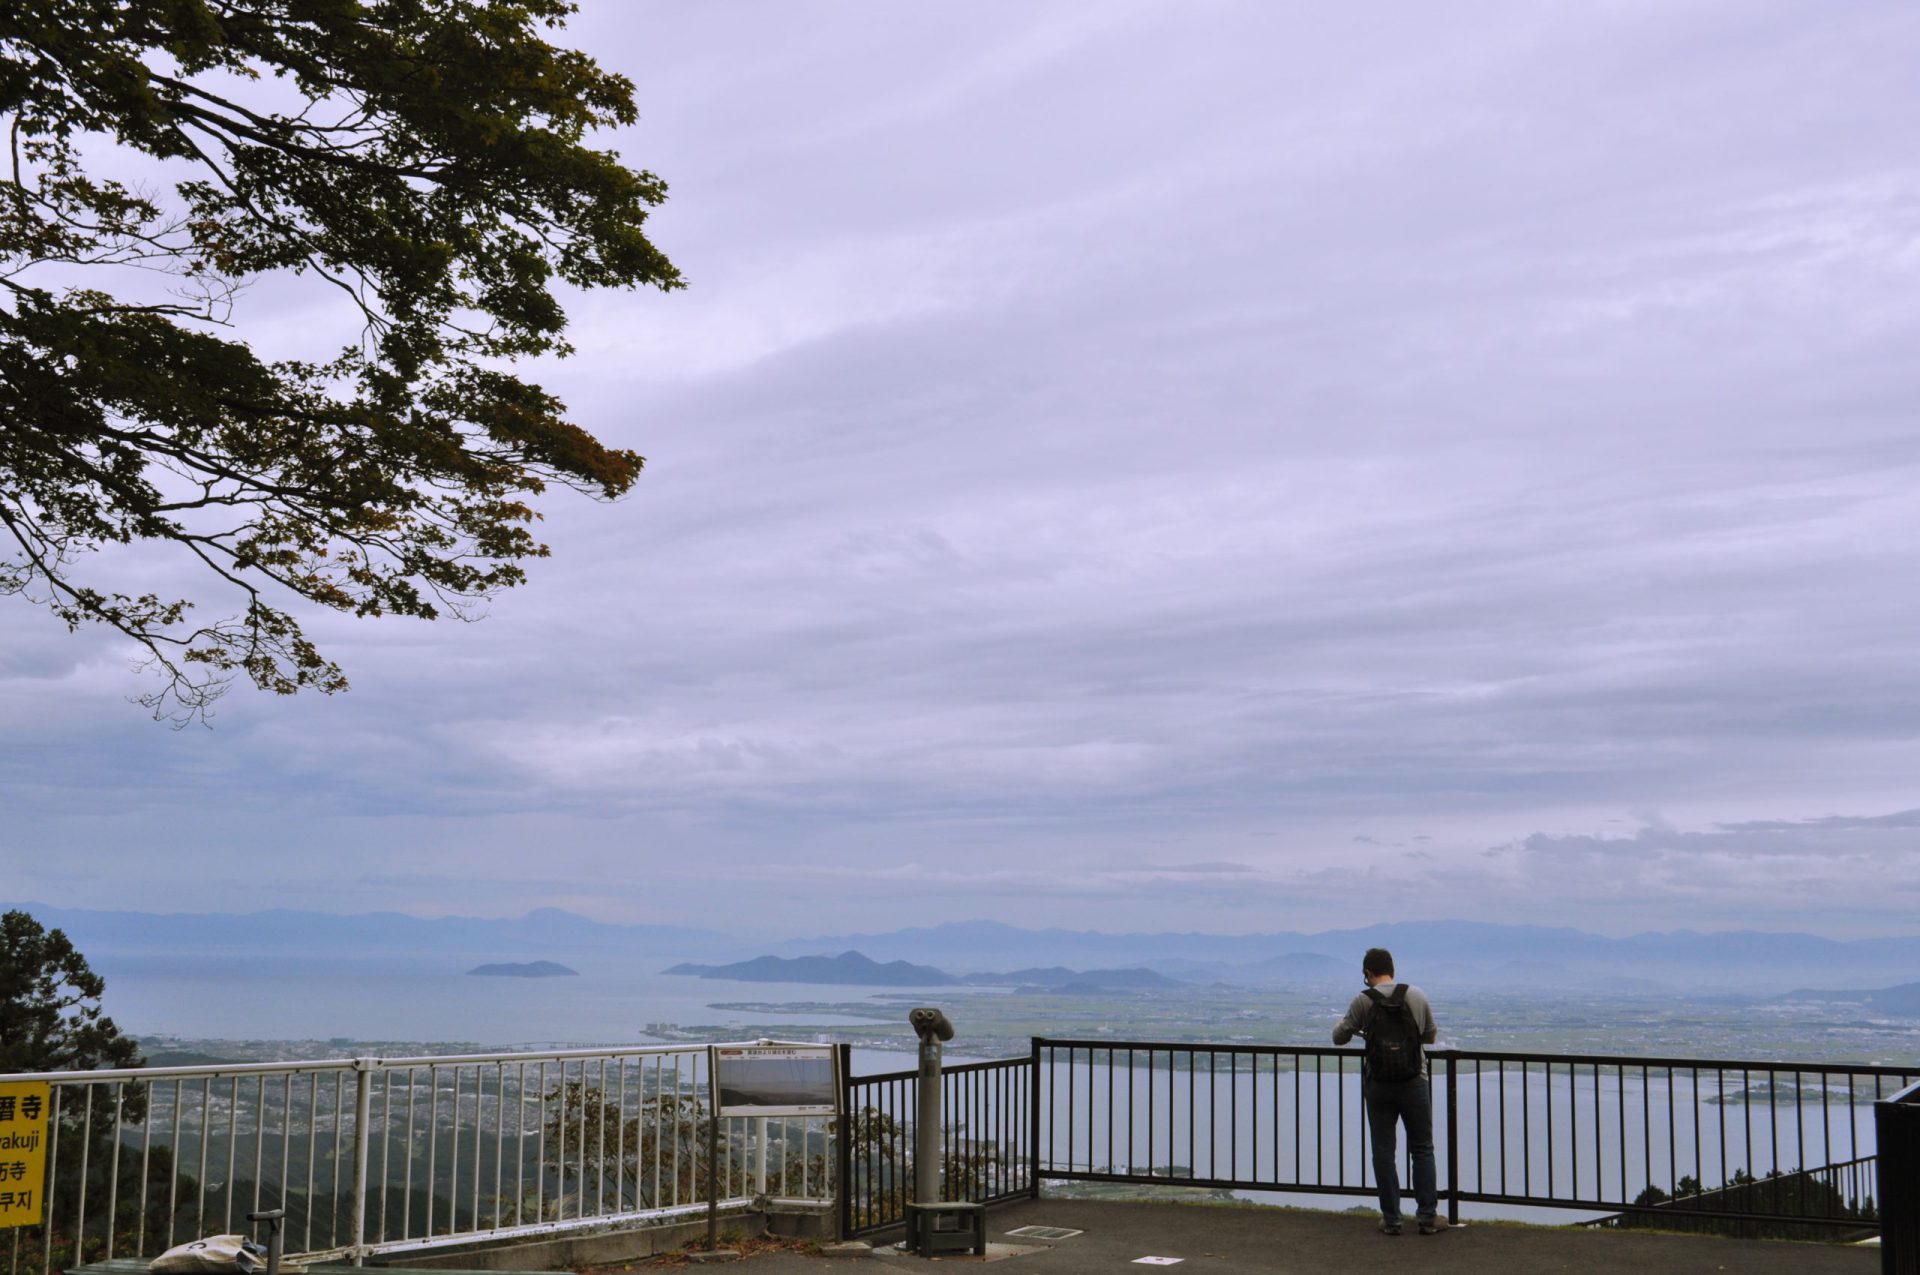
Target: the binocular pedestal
(935, 1226)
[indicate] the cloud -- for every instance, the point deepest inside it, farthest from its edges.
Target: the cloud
(1835, 873)
(1098, 442)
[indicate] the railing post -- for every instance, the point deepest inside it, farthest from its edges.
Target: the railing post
(843, 1145)
(80, 1213)
(1896, 1131)
(760, 1156)
(1033, 1115)
(363, 1069)
(1453, 1139)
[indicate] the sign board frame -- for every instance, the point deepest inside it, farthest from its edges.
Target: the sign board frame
(748, 1080)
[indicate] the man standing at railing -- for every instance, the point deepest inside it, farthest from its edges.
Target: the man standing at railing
(1396, 1020)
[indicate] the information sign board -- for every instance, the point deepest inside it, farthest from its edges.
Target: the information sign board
(775, 1080)
(26, 1113)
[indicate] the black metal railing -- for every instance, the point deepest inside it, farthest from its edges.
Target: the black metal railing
(986, 1139)
(1897, 1127)
(1709, 1138)
(1254, 1117)
(1683, 1137)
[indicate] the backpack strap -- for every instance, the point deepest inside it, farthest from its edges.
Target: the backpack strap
(1378, 997)
(1399, 993)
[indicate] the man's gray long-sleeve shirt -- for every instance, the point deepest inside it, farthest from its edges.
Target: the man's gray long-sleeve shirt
(1355, 1023)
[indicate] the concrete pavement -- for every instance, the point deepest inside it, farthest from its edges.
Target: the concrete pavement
(1278, 1241)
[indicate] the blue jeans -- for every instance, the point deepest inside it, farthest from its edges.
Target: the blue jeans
(1407, 1102)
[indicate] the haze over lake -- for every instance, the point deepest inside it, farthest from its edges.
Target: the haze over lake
(380, 998)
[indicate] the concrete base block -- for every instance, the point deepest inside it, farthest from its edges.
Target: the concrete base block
(848, 1248)
(799, 1222)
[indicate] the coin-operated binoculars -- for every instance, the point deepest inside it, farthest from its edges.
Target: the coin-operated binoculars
(934, 1225)
(934, 1031)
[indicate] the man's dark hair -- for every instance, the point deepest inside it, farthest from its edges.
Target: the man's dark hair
(1377, 961)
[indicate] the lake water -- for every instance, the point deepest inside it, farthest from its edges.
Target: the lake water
(383, 998)
(1601, 1132)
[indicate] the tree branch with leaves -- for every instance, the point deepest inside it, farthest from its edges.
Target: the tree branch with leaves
(427, 159)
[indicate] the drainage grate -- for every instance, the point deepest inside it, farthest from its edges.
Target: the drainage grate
(1044, 1233)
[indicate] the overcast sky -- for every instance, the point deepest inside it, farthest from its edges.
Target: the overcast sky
(1181, 465)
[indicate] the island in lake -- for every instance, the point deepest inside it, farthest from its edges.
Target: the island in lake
(849, 968)
(528, 969)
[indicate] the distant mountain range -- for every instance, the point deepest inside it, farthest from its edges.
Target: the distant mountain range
(854, 969)
(1290, 969)
(1474, 953)
(1462, 953)
(544, 933)
(1898, 1002)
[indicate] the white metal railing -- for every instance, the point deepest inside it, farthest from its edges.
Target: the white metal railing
(383, 1155)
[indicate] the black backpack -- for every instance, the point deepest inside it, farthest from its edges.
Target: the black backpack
(1393, 1038)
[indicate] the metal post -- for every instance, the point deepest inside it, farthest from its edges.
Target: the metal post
(1033, 1120)
(113, 1170)
(760, 1157)
(1896, 1131)
(276, 1220)
(1453, 1139)
(362, 1116)
(80, 1214)
(933, 1029)
(843, 1142)
(713, 1179)
(926, 1128)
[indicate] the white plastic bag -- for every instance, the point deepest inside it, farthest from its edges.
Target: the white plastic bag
(231, 1254)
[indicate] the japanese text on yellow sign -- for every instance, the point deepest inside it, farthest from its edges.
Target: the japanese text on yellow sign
(25, 1113)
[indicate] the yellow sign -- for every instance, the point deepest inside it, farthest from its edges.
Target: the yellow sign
(26, 1113)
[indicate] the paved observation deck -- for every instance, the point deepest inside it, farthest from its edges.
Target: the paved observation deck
(1216, 1240)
